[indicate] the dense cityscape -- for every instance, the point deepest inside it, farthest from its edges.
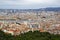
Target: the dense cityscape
(15, 21)
(29, 19)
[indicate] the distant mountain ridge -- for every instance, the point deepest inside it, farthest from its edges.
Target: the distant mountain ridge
(30, 10)
(48, 9)
(52, 9)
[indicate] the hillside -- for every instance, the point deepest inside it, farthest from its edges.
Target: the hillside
(36, 35)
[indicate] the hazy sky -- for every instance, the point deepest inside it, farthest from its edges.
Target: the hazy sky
(28, 4)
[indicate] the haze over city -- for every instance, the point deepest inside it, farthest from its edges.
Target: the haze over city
(28, 4)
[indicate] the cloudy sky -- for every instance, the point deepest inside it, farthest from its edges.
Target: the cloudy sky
(29, 4)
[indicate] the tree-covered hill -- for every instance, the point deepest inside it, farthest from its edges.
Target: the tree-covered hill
(36, 35)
